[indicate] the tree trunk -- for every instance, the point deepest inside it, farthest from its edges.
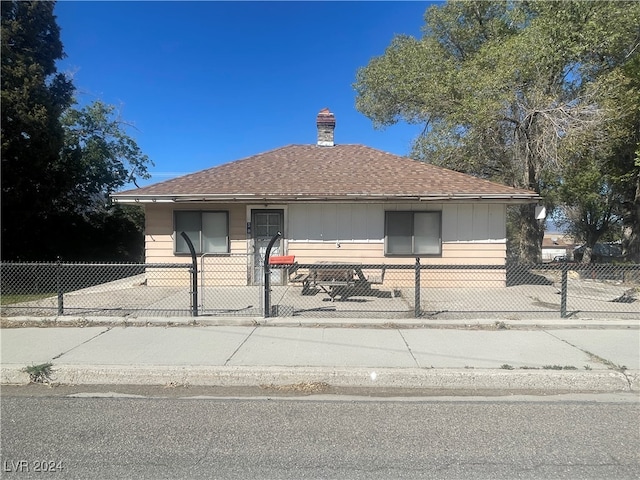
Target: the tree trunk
(586, 255)
(531, 234)
(631, 231)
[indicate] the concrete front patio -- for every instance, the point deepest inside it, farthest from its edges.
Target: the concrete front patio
(132, 298)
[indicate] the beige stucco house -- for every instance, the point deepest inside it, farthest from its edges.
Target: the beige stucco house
(331, 202)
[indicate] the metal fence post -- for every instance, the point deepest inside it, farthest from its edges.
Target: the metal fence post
(563, 292)
(267, 276)
(194, 275)
(417, 309)
(59, 287)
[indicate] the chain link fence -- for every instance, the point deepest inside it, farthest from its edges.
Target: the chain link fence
(95, 289)
(233, 285)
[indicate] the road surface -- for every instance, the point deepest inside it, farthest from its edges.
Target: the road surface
(180, 434)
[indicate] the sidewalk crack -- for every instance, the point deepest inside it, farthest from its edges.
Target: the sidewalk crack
(409, 348)
(226, 362)
(597, 358)
(80, 344)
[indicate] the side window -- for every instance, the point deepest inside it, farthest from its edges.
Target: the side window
(208, 231)
(188, 222)
(413, 233)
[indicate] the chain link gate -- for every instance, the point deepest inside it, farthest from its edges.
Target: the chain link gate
(226, 285)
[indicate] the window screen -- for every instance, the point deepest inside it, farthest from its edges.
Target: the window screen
(413, 233)
(208, 231)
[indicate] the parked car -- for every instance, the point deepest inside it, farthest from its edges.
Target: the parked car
(602, 253)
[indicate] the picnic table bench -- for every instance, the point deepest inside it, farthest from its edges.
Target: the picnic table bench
(333, 278)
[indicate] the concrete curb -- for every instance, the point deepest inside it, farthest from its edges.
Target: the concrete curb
(407, 378)
(79, 321)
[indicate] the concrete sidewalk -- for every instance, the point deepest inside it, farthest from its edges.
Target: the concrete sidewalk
(552, 356)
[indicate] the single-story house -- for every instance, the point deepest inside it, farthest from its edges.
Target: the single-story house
(331, 202)
(557, 247)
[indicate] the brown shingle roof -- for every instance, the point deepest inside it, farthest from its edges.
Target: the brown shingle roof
(311, 171)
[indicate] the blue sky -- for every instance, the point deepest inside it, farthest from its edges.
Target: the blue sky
(206, 83)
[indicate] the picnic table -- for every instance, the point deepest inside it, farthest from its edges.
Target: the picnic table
(333, 278)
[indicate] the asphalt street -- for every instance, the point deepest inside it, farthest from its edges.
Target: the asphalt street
(112, 437)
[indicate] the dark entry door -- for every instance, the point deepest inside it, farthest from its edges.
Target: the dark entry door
(264, 225)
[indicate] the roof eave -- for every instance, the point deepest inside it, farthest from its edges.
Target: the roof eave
(515, 198)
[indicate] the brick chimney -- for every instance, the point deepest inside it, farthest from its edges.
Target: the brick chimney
(326, 123)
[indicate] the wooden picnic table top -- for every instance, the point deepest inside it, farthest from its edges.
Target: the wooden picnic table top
(331, 271)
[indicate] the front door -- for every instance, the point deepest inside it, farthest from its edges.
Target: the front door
(264, 225)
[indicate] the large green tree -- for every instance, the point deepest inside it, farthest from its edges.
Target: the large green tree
(589, 201)
(503, 87)
(60, 162)
(99, 156)
(599, 195)
(34, 96)
(626, 158)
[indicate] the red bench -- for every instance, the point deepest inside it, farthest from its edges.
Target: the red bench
(282, 260)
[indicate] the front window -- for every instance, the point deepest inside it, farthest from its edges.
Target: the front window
(413, 233)
(208, 231)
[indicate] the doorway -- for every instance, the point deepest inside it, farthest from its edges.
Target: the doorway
(264, 225)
